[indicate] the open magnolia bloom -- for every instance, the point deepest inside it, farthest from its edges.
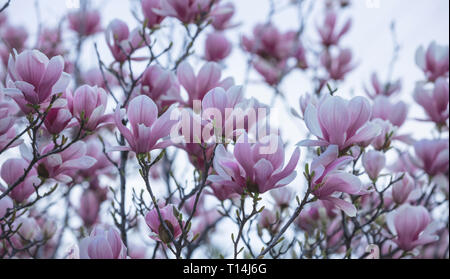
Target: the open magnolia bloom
(336, 121)
(148, 131)
(412, 226)
(330, 180)
(33, 78)
(254, 167)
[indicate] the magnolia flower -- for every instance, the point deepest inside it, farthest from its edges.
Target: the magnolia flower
(221, 16)
(435, 102)
(33, 78)
(14, 37)
(228, 114)
(94, 77)
(432, 156)
(198, 85)
(154, 223)
(217, 47)
(161, 86)
(61, 166)
(339, 64)
(411, 226)
(57, 120)
(123, 43)
(103, 244)
(271, 72)
(89, 208)
(283, 197)
(12, 170)
(146, 128)
(222, 192)
(373, 162)
(268, 220)
(85, 23)
(185, 11)
(433, 61)
(328, 179)
(89, 105)
(251, 168)
(269, 43)
(153, 19)
(28, 228)
(329, 33)
(395, 113)
(335, 121)
(379, 88)
(402, 189)
(6, 204)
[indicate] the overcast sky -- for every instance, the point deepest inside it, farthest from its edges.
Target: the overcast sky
(418, 22)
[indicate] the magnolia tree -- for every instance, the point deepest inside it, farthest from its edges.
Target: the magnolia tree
(155, 153)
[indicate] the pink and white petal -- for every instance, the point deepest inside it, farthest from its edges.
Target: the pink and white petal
(348, 208)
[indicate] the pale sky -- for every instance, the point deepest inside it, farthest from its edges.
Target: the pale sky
(418, 22)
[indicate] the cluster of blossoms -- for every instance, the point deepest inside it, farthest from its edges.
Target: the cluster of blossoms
(74, 140)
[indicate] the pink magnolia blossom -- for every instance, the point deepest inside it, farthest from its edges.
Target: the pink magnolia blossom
(12, 170)
(6, 204)
(161, 86)
(300, 55)
(217, 47)
(268, 42)
(411, 226)
(329, 179)
(248, 168)
(272, 73)
(7, 137)
(198, 85)
(307, 99)
(432, 156)
(33, 78)
(283, 197)
(433, 61)
(187, 11)
(14, 36)
(123, 43)
(221, 16)
(146, 128)
(385, 109)
(50, 42)
(402, 190)
(85, 23)
(228, 114)
(373, 162)
(154, 223)
(7, 116)
(61, 166)
(435, 102)
(329, 32)
(153, 19)
(268, 220)
(388, 134)
(404, 164)
(57, 120)
(222, 192)
(89, 105)
(94, 149)
(315, 215)
(378, 88)
(338, 65)
(103, 244)
(94, 77)
(89, 208)
(28, 228)
(335, 121)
